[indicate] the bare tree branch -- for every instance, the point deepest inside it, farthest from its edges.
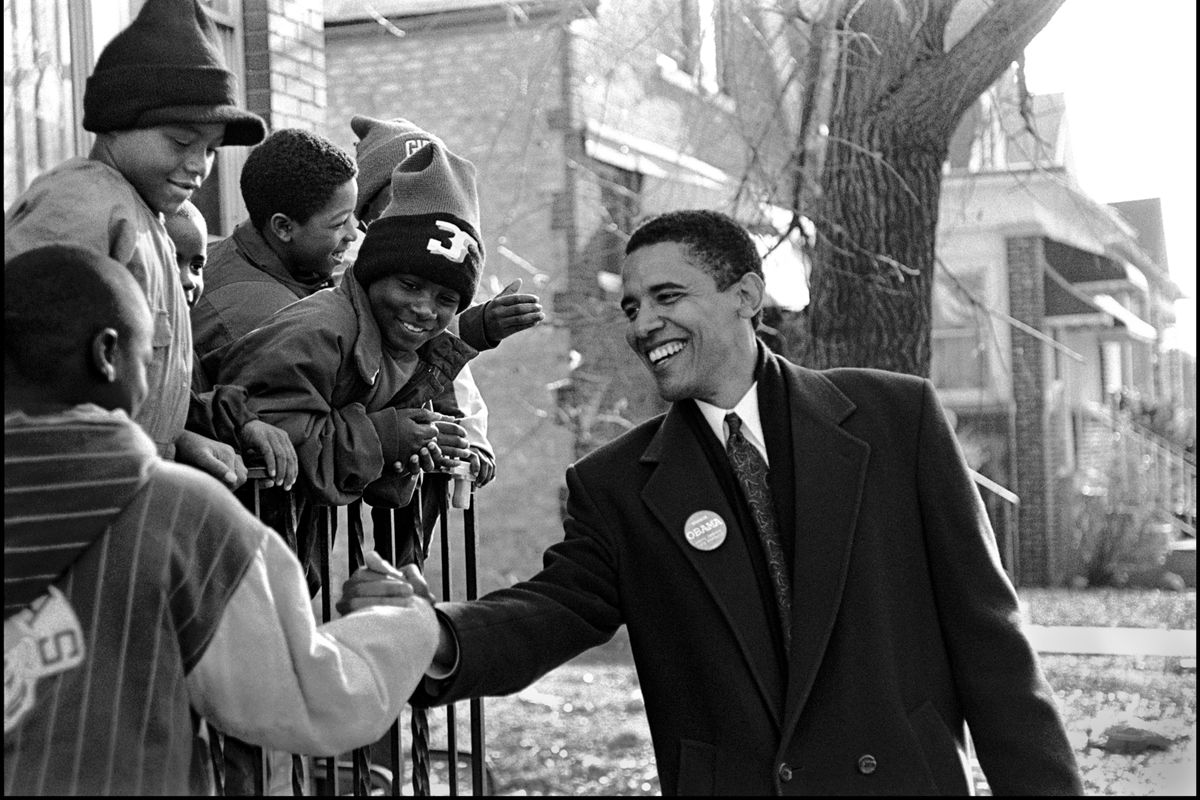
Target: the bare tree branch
(992, 44)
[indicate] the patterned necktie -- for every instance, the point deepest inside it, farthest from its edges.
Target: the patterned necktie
(751, 471)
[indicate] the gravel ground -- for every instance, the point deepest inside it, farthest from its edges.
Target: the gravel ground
(581, 729)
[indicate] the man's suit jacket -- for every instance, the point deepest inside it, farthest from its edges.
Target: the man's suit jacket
(903, 622)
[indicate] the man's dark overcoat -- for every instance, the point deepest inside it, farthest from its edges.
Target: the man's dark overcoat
(904, 624)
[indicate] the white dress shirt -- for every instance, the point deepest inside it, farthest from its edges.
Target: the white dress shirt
(747, 409)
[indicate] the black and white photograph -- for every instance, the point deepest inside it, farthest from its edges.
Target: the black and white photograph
(599, 397)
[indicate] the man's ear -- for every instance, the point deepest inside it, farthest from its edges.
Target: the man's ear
(751, 292)
(104, 354)
(282, 226)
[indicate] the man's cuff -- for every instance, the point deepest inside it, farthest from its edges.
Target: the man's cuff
(387, 428)
(472, 327)
(444, 667)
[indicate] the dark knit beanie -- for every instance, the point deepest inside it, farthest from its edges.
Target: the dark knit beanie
(381, 145)
(166, 67)
(431, 226)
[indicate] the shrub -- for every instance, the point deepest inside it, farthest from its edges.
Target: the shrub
(1116, 528)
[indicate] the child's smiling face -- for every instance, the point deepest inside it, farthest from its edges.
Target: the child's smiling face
(410, 310)
(318, 245)
(165, 163)
(189, 232)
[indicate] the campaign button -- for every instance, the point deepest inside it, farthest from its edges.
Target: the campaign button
(705, 530)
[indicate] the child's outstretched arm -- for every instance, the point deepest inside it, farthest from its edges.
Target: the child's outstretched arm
(512, 311)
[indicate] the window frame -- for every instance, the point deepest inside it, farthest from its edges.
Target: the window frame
(87, 34)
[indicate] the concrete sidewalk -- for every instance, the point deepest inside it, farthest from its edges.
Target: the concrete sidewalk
(1113, 641)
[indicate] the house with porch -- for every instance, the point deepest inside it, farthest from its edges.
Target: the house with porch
(1050, 311)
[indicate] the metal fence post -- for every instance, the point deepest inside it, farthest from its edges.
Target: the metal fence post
(387, 542)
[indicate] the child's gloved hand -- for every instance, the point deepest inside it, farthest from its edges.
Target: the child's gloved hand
(510, 312)
(216, 458)
(276, 450)
(418, 429)
(483, 466)
(451, 444)
(418, 462)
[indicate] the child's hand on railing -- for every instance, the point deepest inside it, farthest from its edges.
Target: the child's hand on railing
(451, 445)
(216, 458)
(274, 448)
(483, 466)
(417, 429)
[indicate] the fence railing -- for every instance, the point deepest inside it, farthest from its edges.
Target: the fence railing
(1165, 471)
(243, 769)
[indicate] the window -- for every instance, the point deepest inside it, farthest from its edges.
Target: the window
(620, 191)
(702, 44)
(220, 198)
(1112, 362)
(960, 358)
(50, 47)
(41, 80)
(989, 147)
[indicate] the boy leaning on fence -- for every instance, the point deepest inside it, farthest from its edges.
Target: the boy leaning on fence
(139, 595)
(381, 145)
(300, 190)
(160, 102)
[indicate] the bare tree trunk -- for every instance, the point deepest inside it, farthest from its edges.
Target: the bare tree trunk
(872, 287)
(898, 98)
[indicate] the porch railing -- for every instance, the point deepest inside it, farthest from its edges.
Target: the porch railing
(1165, 471)
(241, 769)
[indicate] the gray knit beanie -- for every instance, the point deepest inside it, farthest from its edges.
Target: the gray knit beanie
(381, 145)
(431, 226)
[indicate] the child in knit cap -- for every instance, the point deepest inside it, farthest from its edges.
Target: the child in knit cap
(345, 372)
(160, 102)
(381, 146)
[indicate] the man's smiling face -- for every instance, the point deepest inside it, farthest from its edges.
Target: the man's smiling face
(683, 328)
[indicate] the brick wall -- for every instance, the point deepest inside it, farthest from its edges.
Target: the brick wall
(285, 62)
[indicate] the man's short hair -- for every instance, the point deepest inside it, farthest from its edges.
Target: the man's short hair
(293, 172)
(716, 242)
(56, 298)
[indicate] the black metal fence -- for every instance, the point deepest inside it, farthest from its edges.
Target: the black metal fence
(379, 769)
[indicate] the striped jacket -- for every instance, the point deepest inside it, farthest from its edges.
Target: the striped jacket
(140, 596)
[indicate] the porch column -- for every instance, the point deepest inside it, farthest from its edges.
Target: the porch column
(1031, 380)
